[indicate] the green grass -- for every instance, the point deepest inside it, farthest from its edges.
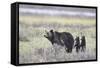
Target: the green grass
(58, 20)
(39, 49)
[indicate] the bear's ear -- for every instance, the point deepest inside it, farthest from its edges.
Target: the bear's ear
(51, 31)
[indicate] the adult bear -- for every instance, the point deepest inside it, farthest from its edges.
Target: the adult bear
(61, 38)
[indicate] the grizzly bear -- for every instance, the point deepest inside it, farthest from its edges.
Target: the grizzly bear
(61, 38)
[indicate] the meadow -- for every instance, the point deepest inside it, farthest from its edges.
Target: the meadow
(35, 48)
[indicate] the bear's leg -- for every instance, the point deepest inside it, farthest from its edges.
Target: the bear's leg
(77, 49)
(68, 50)
(83, 48)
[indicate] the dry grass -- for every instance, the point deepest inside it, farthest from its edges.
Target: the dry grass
(34, 48)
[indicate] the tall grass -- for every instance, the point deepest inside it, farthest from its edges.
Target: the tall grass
(35, 48)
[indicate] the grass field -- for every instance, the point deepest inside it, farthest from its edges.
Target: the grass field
(34, 48)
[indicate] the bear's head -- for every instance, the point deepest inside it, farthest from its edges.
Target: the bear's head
(49, 35)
